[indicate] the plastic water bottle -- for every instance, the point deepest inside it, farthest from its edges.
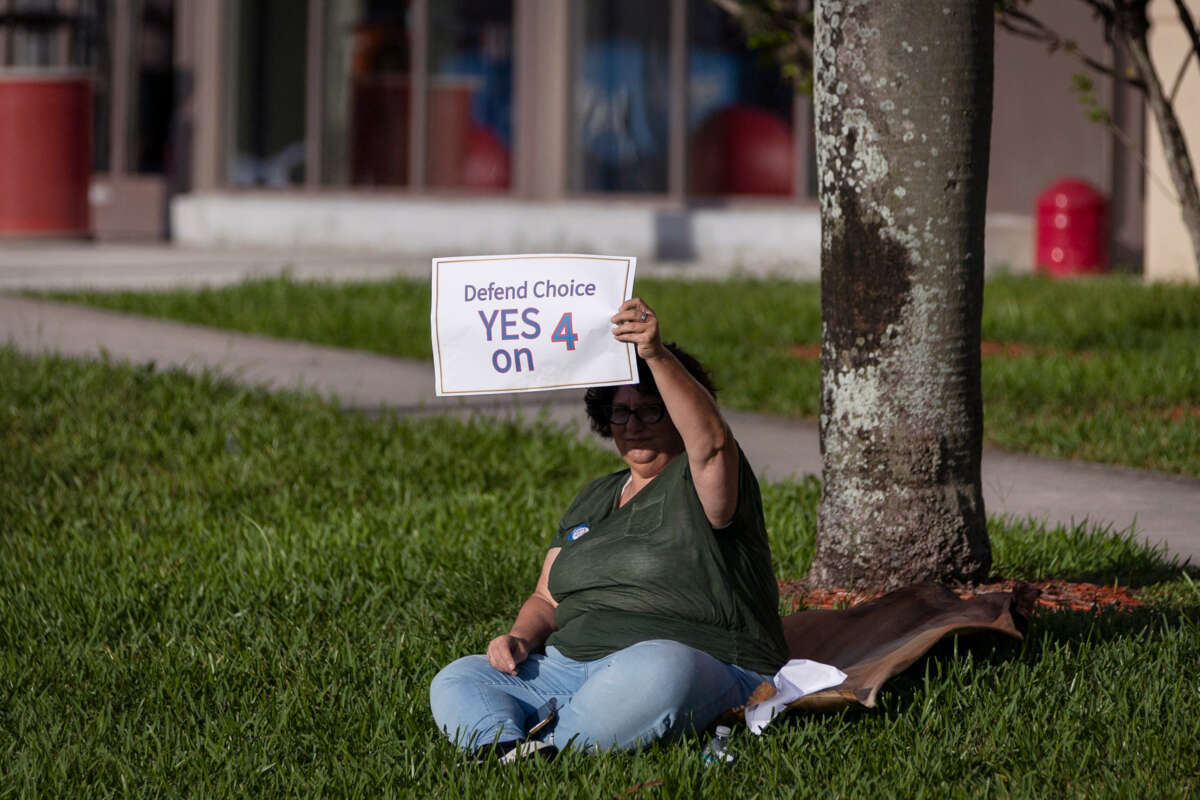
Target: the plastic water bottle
(717, 751)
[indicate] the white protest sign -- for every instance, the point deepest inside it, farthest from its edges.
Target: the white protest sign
(529, 323)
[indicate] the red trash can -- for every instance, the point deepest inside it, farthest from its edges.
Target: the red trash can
(1072, 229)
(45, 152)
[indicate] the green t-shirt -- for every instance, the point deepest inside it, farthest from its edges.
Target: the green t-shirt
(656, 569)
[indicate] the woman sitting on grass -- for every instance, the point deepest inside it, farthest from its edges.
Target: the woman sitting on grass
(657, 603)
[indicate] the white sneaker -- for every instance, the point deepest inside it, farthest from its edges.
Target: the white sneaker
(529, 749)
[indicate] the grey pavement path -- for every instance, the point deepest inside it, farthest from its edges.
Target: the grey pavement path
(1166, 508)
(73, 265)
(111, 266)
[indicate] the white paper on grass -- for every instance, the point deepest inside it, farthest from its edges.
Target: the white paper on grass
(493, 320)
(795, 679)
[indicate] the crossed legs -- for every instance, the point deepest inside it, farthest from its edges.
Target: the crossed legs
(652, 690)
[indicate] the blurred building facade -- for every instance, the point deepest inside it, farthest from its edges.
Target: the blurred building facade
(1168, 251)
(465, 126)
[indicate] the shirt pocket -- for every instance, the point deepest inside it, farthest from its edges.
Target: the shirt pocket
(645, 518)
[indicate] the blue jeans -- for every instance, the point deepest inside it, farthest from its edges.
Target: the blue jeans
(652, 690)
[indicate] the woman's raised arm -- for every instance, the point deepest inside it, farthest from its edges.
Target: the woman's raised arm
(711, 450)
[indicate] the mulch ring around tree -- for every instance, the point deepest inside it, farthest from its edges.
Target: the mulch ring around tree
(1055, 595)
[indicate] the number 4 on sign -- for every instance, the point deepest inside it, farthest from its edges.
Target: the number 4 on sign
(564, 333)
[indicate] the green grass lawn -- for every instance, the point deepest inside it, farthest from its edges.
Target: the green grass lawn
(207, 590)
(1103, 370)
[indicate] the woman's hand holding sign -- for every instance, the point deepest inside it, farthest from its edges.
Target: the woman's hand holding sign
(636, 323)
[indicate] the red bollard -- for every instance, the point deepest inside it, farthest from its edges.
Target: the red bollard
(45, 153)
(1072, 229)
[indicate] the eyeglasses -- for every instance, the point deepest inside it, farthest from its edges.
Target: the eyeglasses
(647, 414)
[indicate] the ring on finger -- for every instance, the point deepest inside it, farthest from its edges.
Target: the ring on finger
(645, 315)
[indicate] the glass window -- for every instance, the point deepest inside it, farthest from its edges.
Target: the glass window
(91, 51)
(469, 144)
(34, 43)
(368, 46)
(368, 83)
(740, 138)
(269, 148)
(154, 85)
(620, 98)
(147, 132)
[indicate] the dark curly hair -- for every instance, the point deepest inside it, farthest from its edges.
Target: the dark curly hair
(598, 399)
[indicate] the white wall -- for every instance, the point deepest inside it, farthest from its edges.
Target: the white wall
(1169, 254)
(784, 240)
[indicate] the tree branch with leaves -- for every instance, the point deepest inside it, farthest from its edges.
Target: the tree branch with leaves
(784, 29)
(1127, 28)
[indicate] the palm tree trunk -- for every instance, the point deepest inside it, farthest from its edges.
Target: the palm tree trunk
(903, 94)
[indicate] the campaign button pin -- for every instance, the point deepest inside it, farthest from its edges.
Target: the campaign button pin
(577, 531)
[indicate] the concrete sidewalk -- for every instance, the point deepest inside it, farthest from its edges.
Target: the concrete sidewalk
(1166, 508)
(113, 266)
(87, 265)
